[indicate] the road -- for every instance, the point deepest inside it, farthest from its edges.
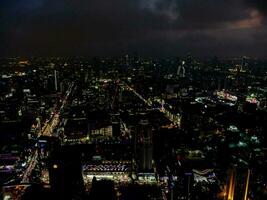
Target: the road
(175, 119)
(48, 130)
(31, 166)
(230, 188)
(54, 120)
(247, 185)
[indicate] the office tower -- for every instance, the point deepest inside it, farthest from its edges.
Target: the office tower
(116, 128)
(65, 174)
(145, 144)
(181, 70)
(56, 79)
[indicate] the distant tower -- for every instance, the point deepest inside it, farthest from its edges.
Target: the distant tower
(219, 84)
(136, 61)
(127, 60)
(55, 78)
(115, 118)
(239, 69)
(86, 77)
(181, 70)
(146, 147)
(225, 83)
(39, 125)
(244, 63)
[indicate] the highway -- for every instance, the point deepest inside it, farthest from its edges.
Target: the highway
(175, 119)
(247, 185)
(54, 120)
(31, 166)
(47, 130)
(230, 187)
(137, 94)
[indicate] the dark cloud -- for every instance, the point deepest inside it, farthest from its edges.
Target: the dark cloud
(151, 27)
(261, 5)
(199, 14)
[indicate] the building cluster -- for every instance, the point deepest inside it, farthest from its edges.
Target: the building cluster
(133, 128)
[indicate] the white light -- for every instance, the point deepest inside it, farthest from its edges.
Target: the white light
(7, 197)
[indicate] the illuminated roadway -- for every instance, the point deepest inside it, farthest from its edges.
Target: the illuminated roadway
(46, 131)
(174, 119)
(31, 166)
(247, 185)
(231, 190)
(232, 183)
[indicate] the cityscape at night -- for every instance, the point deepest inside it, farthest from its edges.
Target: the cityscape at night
(133, 100)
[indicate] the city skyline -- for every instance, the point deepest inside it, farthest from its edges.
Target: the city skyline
(133, 99)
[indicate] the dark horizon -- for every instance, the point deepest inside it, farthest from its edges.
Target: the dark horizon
(152, 28)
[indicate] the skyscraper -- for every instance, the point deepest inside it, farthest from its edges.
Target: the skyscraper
(65, 174)
(181, 70)
(55, 78)
(146, 147)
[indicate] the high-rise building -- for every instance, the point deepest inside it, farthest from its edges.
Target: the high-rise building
(146, 146)
(65, 174)
(56, 79)
(116, 128)
(181, 70)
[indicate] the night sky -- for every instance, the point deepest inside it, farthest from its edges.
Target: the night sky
(225, 28)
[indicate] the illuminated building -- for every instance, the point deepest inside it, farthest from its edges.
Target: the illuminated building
(56, 81)
(181, 70)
